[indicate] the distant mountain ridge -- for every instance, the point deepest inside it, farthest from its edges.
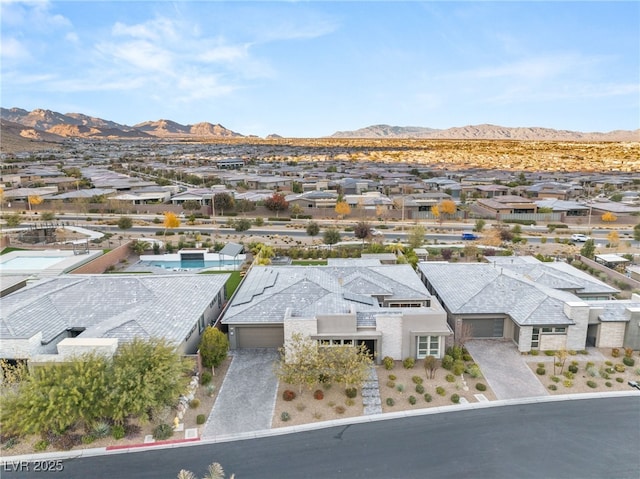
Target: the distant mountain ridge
(83, 126)
(485, 132)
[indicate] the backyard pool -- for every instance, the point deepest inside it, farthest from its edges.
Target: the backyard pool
(191, 261)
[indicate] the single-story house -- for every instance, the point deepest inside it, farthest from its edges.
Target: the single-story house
(384, 307)
(508, 204)
(86, 310)
(536, 310)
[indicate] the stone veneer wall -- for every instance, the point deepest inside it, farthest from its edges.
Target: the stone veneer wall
(611, 334)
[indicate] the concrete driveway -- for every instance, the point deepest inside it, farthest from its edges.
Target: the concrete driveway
(505, 369)
(247, 396)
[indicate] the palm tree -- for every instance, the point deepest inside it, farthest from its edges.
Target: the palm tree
(215, 471)
(396, 248)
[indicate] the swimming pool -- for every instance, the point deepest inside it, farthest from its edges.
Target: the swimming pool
(192, 264)
(30, 262)
(191, 260)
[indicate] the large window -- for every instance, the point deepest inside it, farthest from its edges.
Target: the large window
(428, 346)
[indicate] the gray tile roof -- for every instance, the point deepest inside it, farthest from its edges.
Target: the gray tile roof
(616, 310)
(481, 288)
(121, 306)
(269, 291)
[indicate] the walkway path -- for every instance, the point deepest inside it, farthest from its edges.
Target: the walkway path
(247, 396)
(505, 369)
(371, 394)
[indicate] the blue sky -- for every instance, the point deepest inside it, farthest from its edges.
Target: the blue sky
(308, 69)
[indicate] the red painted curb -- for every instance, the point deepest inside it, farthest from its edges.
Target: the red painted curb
(159, 443)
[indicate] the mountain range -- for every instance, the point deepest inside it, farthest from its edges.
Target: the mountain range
(47, 125)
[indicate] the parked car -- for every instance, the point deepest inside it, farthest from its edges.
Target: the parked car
(469, 236)
(580, 238)
(376, 232)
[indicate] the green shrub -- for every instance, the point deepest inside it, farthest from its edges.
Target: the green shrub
(288, 395)
(455, 352)
(417, 379)
(481, 387)
(390, 402)
(553, 387)
(400, 388)
(419, 388)
(440, 391)
(391, 384)
(608, 384)
(620, 380)
(592, 384)
(615, 352)
(455, 398)
(349, 402)
(301, 406)
(541, 371)
(458, 367)
(609, 363)
(568, 383)
(117, 432)
(450, 378)
(550, 352)
(555, 379)
(101, 429)
(388, 363)
(285, 416)
(568, 375)
(351, 392)
(201, 419)
(447, 362)
(412, 400)
(572, 352)
(88, 439)
(428, 398)
(534, 352)
(628, 361)
(206, 378)
(162, 431)
(619, 368)
(467, 357)
(194, 403)
(41, 445)
(392, 377)
(583, 351)
(409, 363)
(473, 370)
(573, 369)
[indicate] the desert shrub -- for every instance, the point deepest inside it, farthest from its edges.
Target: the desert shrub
(301, 407)
(288, 395)
(455, 398)
(101, 429)
(331, 403)
(390, 402)
(409, 363)
(117, 432)
(568, 375)
(619, 380)
(350, 402)
(615, 352)
(467, 357)
(628, 361)
(628, 352)
(317, 415)
(481, 387)
(450, 378)
(206, 378)
(211, 389)
(608, 363)
(540, 365)
(351, 392)
(568, 383)
(339, 409)
(592, 384)
(608, 384)
(88, 439)
(447, 362)
(416, 379)
(428, 397)
(440, 391)
(285, 416)
(419, 388)
(392, 377)
(553, 387)
(555, 379)
(400, 388)
(573, 369)
(458, 367)
(534, 352)
(391, 384)
(132, 430)
(41, 445)
(67, 442)
(318, 394)
(162, 431)
(594, 373)
(194, 403)
(619, 368)
(473, 370)
(550, 352)
(388, 363)
(412, 400)
(572, 352)
(455, 352)
(638, 372)
(541, 371)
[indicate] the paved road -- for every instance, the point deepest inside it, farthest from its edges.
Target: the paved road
(505, 369)
(587, 438)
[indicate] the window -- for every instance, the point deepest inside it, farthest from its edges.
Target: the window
(535, 338)
(201, 324)
(559, 330)
(428, 346)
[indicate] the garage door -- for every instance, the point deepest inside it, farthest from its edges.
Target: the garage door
(260, 336)
(485, 328)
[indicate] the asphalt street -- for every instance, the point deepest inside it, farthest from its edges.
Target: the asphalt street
(586, 438)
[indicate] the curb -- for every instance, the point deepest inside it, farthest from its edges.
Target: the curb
(110, 450)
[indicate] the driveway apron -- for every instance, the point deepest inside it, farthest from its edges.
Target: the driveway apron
(505, 369)
(247, 397)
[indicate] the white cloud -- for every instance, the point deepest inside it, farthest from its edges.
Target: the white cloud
(12, 48)
(141, 55)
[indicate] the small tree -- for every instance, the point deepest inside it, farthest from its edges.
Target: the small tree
(191, 205)
(448, 207)
(430, 366)
(296, 210)
(299, 362)
(416, 236)
(331, 236)
(125, 223)
(243, 224)
(223, 201)
(277, 203)
(480, 224)
(140, 247)
(613, 238)
(636, 232)
(609, 217)
(561, 355)
(215, 471)
(588, 249)
(313, 229)
(13, 220)
(342, 209)
(435, 211)
(171, 221)
(362, 231)
(213, 348)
